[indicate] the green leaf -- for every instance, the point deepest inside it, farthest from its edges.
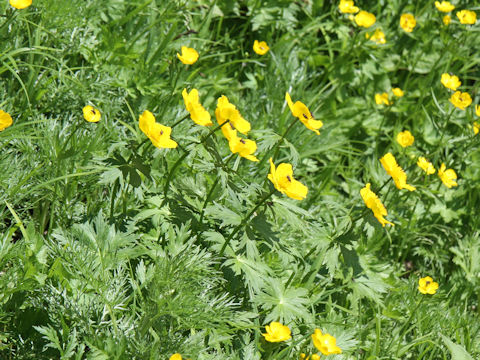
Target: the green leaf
(458, 351)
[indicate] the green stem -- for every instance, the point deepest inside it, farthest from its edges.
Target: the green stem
(55, 189)
(180, 159)
(210, 192)
(401, 332)
(445, 126)
(276, 148)
(179, 121)
(245, 219)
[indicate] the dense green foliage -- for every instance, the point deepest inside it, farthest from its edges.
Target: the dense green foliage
(114, 249)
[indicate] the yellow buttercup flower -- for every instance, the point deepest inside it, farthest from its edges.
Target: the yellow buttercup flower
(197, 112)
(282, 179)
(20, 4)
(189, 56)
(460, 99)
(407, 22)
(451, 82)
(477, 110)
(158, 134)
(226, 111)
(382, 99)
(228, 130)
(396, 172)
(244, 147)
(377, 37)
(476, 127)
(347, 7)
(311, 357)
(467, 17)
(261, 48)
(426, 285)
(365, 19)
(405, 138)
(176, 356)
(5, 120)
(300, 110)
(447, 19)
(373, 202)
(276, 332)
(398, 92)
(426, 165)
(447, 176)
(325, 343)
(444, 6)
(91, 114)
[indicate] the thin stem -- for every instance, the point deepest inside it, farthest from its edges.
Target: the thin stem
(445, 126)
(210, 192)
(405, 324)
(55, 189)
(180, 159)
(179, 121)
(276, 148)
(245, 219)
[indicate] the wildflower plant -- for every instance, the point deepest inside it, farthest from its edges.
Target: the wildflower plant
(135, 226)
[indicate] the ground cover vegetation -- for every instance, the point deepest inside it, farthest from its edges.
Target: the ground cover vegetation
(251, 179)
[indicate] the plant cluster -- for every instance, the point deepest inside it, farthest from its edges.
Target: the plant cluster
(163, 196)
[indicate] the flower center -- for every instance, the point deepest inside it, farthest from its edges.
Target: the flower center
(427, 283)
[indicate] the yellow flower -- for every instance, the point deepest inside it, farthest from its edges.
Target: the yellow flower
(477, 110)
(426, 165)
(300, 110)
(228, 112)
(189, 56)
(282, 179)
(467, 17)
(426, 285)
(277, 332)
(326, 343)
(460, 100)
(398, 92)
(447, 20)
(229, 131)
(244, 147)
(91, 114)
(347, 7)
(373, 202)
(158, 134)
(407, 22)
(382, 99)
(20, 4)
(365, 19)
(261, 48)
(476, 127)
(396, 172)
(312, 357)
(448, 176)
(377, 37)
(444, 6)
(5, 120)
(176, 356)
(405, 138)
(450, 81)
(197, 112)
